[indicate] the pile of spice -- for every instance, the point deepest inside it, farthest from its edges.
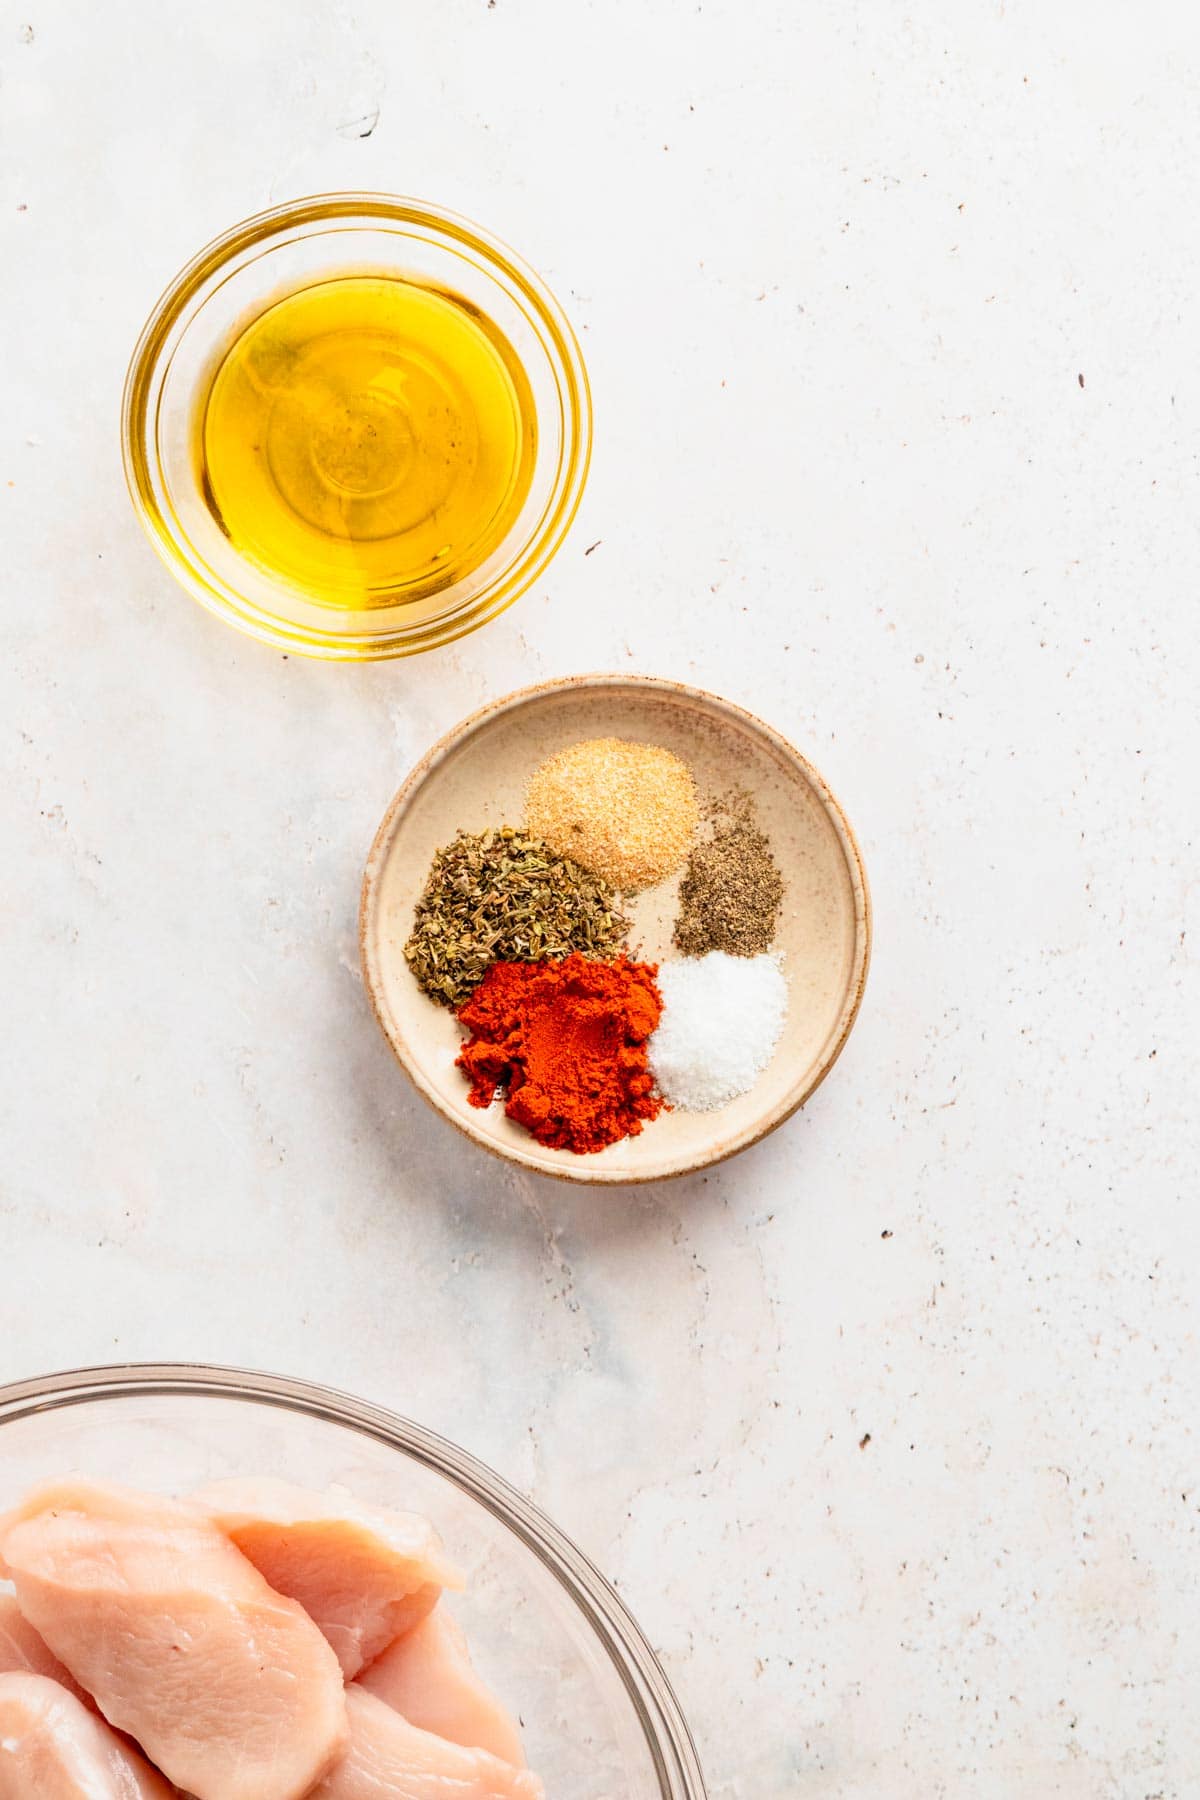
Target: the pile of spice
(521, 932)
(569, 1041)
(731, 891)
(722, 1017)
(505, 896)
(626, 811)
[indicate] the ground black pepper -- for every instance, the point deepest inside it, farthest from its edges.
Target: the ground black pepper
(731, 891)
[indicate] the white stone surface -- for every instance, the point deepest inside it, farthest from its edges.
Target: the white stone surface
(885, 1430)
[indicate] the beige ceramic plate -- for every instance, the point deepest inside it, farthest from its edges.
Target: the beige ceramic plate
(476, 777)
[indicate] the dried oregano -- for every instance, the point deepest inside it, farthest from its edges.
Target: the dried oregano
(504, 896)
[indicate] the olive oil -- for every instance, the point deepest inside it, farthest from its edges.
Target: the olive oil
(369, 440)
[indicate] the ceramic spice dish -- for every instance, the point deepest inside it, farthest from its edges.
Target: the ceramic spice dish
(475, 778)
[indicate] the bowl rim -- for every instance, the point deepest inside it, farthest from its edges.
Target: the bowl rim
(666, 1732)
(797, 1095)
(546, 316)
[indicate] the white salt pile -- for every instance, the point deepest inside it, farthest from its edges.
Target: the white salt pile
(722, 1018)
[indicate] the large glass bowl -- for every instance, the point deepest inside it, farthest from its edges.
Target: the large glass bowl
(601, 1722)
(230, 283)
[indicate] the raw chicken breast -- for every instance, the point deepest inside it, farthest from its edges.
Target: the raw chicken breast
(228, 1687)
(53, 1748)
(427, 1676)
(363, 1574)
(23, 1652)
(389, 1759)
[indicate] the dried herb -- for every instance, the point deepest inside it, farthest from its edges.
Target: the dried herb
(731, 890)
(504, 896)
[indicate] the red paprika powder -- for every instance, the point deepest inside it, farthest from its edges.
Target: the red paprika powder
(569, 1039)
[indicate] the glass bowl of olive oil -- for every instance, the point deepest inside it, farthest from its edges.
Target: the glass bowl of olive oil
(356, 426)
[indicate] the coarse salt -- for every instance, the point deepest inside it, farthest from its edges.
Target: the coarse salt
(722, 1018)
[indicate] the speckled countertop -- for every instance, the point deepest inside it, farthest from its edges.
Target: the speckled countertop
(885, 1431)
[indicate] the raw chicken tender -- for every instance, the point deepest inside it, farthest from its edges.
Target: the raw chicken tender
(365, 1575)
(427, 1676)
(53, 1748)
(23, 1652)
(227, 1686)
(389, 1759)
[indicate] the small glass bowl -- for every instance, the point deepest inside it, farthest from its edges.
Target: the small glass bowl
(228, 284)
(547, 1631)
